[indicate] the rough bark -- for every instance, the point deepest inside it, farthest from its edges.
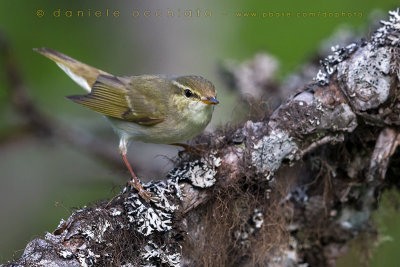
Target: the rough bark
(288, 190)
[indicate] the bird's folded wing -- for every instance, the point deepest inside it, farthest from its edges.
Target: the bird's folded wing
(117, 97)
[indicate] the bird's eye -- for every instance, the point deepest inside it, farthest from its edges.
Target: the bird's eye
(188, 93)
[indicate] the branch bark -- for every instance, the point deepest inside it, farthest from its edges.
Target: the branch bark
(286, 191)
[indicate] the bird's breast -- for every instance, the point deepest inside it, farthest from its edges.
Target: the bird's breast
(174, 129)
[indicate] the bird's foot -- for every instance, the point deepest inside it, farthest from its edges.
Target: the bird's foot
(146, 195)
(198, 149)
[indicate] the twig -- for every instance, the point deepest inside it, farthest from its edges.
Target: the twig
(385, 146)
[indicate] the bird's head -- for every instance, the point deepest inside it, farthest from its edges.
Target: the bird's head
(194, 89)
(194, 97)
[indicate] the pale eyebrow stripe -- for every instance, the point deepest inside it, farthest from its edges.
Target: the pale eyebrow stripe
(185, 87)
(180, 85)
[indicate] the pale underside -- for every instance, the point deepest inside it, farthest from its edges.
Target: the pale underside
(173, 130)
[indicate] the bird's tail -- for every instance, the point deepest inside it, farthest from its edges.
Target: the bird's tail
(83, 74)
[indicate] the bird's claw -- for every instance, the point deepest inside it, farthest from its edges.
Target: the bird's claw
(146, 195)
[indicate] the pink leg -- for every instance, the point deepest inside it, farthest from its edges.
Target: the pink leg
(135, 183)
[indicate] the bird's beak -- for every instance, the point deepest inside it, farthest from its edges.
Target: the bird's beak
(209, 100)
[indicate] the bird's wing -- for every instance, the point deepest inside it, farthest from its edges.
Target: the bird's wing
(125, 99)
(83, 74)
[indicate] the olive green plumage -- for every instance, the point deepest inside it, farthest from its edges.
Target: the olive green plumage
(149, 108)
(126, 99)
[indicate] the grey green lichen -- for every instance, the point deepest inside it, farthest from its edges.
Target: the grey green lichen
(268, 152)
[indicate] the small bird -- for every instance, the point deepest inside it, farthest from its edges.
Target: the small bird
(158, 109)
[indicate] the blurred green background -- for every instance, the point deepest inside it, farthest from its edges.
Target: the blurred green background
(41, 181)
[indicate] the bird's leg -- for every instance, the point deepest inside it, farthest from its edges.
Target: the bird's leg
(135, 183)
